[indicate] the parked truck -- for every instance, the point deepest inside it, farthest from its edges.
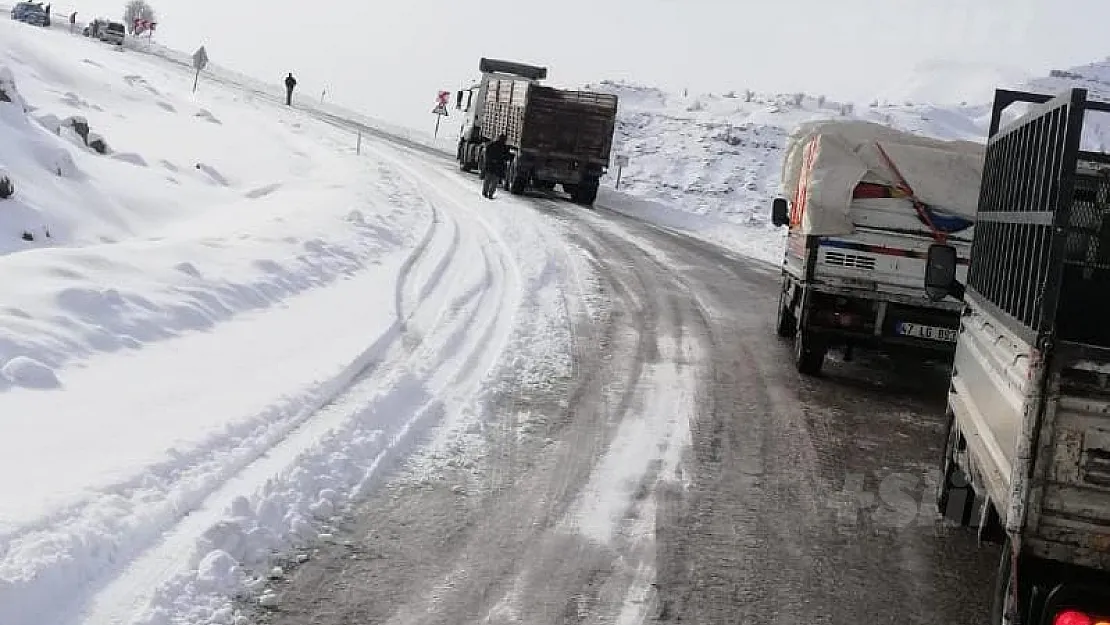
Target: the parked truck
(866, 203)
(1027, 453)
(556, 137)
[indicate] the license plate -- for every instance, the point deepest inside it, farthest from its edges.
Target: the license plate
(933, 333)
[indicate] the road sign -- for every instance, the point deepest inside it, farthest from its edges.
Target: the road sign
(622, 162)
(442, 97)
(200, 59)
(440, 109)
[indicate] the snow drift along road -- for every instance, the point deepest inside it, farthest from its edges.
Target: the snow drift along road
(201, 370)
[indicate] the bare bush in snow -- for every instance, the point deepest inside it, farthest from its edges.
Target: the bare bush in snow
(748, 95)
(820, 101)
(798, 98)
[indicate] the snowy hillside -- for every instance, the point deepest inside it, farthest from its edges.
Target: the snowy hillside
(710, 163)
(137, 239)
(950, 83)
(161, 337)
(717, 158)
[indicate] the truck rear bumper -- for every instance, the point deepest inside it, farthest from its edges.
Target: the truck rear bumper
(560, 168)
(869, 320)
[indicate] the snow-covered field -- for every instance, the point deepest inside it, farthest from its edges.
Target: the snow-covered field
(234, 325)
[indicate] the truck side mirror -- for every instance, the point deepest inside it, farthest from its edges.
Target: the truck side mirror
(940, 272)
(780, 212)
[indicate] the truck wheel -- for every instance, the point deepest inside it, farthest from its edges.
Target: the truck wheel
(1003, 608)
(586, 193)
(464, 161)
(787, 325)
(515, 181)
(955, 497)
(809, 352)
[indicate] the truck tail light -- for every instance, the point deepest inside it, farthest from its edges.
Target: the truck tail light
(1077, 617)
(1072, 617)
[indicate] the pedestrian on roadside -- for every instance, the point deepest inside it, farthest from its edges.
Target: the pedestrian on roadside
(493, 170)
(290, 82)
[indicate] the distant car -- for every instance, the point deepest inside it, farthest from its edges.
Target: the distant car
(93, 28)
(30, 13)
(113, 32)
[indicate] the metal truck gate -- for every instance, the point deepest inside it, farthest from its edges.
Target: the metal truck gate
(1042, 235)
(571, 124)
(504, 109)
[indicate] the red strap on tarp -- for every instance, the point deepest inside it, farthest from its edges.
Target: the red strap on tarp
(872, 191)
(918, 205)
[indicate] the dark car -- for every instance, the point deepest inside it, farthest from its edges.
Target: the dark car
(30, 13)
(112, 32)
(93, 28)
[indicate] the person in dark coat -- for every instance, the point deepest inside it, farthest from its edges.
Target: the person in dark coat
(497, 155)
(290, 82)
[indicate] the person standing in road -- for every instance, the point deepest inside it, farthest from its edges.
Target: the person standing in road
(497, 154)
(290, 82)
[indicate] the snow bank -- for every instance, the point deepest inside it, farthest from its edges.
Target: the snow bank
(183, 227)
(208, 285)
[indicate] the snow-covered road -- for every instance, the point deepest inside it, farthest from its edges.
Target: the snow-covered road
(419, 405)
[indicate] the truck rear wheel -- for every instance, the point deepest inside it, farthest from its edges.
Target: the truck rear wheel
(586, 192)
(464, 158)
(787, 325)
(809, 352)
(955, 497)
(1003, 608)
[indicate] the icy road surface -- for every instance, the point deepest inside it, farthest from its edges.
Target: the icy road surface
(683, 473)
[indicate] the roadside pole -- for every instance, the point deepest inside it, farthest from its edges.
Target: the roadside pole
(622, 162)
(440, 111)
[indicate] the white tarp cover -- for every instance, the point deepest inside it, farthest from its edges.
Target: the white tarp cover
(943, 174)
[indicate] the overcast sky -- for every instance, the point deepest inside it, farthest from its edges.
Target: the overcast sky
(389, 58)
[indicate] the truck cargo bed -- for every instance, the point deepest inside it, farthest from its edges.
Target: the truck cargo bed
(569, 124)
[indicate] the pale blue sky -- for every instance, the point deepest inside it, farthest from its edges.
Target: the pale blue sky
(388, 59)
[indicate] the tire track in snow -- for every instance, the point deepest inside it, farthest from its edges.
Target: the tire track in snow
(209, 469)
(449, 360)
